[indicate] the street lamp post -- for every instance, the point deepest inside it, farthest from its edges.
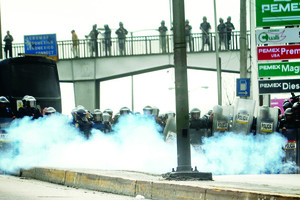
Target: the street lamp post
(184, 170)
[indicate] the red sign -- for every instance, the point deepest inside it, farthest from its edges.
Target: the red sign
(278, 52)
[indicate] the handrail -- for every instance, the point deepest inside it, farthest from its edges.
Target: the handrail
(138, 45)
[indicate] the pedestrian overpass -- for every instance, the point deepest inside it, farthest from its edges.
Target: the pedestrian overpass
(87, 74)
(143, 54)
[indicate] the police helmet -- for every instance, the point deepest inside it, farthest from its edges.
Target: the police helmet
(106, 117)
(287, 104)
(106, 26)
(97, 115)
(221, 19)
(204, 17)
(147, 110)
(155, 111)
(162, 22)
(50, 111)
(30, 102)
(81, 115)
(195, 113)
(3, 99)
(170, 114)
(278, 109)
(124, 111)
(187, 21)
(80, 107)
(288, 114)
(137, 113)
(228, 18)
(109, 111)
(95, 25)
(120, 23)
(24, 100)
(296, 109)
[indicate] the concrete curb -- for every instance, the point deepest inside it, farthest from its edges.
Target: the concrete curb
(149, 189)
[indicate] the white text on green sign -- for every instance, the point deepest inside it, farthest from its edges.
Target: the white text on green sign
(279, 69)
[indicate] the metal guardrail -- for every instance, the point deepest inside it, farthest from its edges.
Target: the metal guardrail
(136, 45)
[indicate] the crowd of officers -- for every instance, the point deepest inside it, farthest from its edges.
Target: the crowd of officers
(224, 30)
(104, 121)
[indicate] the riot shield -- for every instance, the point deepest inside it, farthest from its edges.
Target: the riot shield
(243, 116)
(5, 139)
(170, 130)
(267, 119)
(290, 147)
(222, 120)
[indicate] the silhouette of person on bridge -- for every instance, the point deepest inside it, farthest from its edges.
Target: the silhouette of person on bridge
(93, 35)
(75, 44)
(122, 32)
(8, 44)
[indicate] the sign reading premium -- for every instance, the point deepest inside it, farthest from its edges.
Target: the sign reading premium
(279, 86)
(277, 12)
(278, 52)
(278, 69)
(273, 36)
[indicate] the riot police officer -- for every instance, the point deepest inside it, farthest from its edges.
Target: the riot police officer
(198, 126)
(50, 111)
(29, 108)
(205, 27)
(147, 110)
(98, 120)
(222, 33)
(229, 28)
(83, 123)
(107, 122)
(5, 110)
(188, 35)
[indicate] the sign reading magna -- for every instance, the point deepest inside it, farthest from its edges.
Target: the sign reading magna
(277, 12)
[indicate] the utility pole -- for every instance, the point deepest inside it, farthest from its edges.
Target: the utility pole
(218, 59)
(184, 169)
(243, 39)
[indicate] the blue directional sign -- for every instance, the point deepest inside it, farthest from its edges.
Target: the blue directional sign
(41, 44)
(243, 87)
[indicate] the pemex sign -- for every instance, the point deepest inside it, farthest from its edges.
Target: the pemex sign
(277, 12)
(279, 69)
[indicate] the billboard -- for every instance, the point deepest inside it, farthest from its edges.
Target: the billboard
(278, 52)
(277, 12)
(273, 36)
(41, 44)
(278, 69)
(279, 86)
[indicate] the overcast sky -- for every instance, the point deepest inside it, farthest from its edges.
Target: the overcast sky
(29, 17)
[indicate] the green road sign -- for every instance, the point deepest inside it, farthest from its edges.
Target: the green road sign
(279, 69)
(277, 12)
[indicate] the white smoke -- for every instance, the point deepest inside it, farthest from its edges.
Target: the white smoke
(50, 141)
(136, 144)
(230, 153)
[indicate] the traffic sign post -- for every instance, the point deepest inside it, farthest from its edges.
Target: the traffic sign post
(277, 36)
(279, 86)
(41, 44)
(284, 52)
(277, 12)
(243, 87)
(278, 69)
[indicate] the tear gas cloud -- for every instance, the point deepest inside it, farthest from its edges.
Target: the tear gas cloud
(136, 145)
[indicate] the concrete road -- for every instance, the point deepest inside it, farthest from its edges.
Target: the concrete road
(15, 188)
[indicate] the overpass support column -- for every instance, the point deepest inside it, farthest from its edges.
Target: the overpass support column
(87, 93)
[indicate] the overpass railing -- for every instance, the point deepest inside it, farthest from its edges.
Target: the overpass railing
(137, 45)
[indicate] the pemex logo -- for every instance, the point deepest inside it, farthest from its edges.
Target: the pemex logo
(271, 37)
